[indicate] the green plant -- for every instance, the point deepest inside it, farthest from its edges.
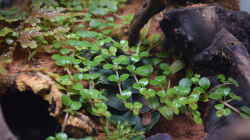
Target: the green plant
(123, 131)
(64, 136)
(104, 77)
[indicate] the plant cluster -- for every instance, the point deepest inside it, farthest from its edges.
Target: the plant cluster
(105, 77)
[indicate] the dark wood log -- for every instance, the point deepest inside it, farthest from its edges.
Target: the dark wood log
(149, 9)
(191, 30)
(215, 37)
(152, 7)
(229, 48)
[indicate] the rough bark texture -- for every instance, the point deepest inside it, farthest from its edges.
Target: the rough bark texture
(152, 7)
(215, 41)
(191, 30)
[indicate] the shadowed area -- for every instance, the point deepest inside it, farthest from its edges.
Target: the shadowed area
(27, 116)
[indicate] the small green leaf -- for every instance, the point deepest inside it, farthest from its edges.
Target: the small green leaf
(131, 68)
(166, 112)
(75, 105)
(79, 45)
(126, 93)
(91, 76)
(143, 82)
(88, 34)
(193, 106)
(65, 51)
(135, 58)
(183, 91)
(162, 93)
(144, 54)
(197, 117)
(113, 78)
(195, 79)
(222, 78)
(78, 86)
(235, 97)
(216, 95)
(204, 83)
(113, 50)
(177, 66)
(193, 98)
(159, 80)
(245, 109)
(66, 100)
(50, 138)
(233, 81)
(145, 70)
(5, 31)
(124, 77)
(171, 91)
(153, 103)
(61, 136)
(227, 112)
(124, 60)
(108, 66)
(148, 93)
(65, 80)
(185, 82)
(219, 106)
(78, 76)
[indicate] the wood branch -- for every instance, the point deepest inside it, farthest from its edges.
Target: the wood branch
(149, 9)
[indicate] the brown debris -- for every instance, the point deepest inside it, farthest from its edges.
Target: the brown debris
(41, 84)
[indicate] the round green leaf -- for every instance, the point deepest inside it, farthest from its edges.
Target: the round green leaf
(204, 83)
(124, 60)
(75, 105)
(113, 78)
(131, 68)
(159, 80)
(65, 51)
(50, 138)
(124, 77)
(66, 100)
(145, 70)
(108, 66)
(78, 86)
(185, 82)
(61, 136)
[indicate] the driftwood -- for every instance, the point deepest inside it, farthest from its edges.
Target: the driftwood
(41, 84)
(152, 7)
(215, 40)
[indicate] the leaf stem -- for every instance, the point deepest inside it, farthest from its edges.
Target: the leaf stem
(231, 107)
(119, 83)
(220, 85)
(136, 79)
